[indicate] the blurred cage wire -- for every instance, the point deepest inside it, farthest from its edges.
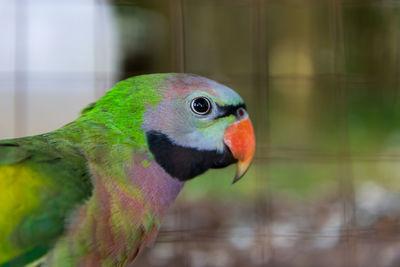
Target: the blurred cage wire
(321, 82)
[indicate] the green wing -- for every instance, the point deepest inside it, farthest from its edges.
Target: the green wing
(42, 179)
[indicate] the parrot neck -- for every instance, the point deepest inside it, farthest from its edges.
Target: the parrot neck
(127, 161)
(157, 186)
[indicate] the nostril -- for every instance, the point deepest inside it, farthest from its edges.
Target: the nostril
(240, 113)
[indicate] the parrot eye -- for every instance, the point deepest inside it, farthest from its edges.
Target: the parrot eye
(201, 105)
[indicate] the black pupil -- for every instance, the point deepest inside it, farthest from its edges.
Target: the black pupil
(201, 105)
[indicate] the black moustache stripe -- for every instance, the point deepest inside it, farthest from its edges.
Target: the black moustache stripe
(185, 163)
(225, 111)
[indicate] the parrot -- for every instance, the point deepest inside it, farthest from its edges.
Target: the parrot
(94, 192)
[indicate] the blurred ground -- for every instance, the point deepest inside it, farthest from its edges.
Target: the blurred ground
(321, 81)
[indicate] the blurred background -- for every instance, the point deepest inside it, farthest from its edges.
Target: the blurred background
(322, 84)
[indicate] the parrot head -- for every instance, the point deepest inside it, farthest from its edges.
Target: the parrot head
(199, 124)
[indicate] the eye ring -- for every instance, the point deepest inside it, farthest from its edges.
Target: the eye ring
(200, 105)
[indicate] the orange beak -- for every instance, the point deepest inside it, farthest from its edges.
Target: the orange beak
(240, 139)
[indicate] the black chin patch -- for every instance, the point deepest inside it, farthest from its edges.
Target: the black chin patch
(185, 163)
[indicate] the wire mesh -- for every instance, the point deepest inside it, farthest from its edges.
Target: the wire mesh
(269, 51)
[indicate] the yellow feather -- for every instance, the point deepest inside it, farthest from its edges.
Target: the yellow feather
(19, 188)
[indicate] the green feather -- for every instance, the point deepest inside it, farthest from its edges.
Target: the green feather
(41, 188)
